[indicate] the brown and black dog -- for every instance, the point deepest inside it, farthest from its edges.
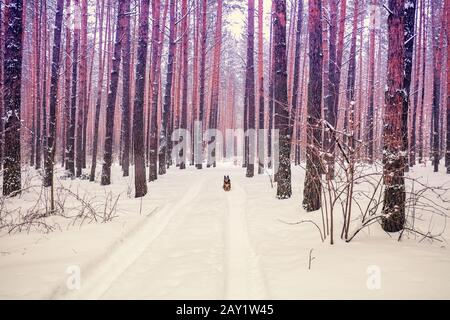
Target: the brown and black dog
(226, 183)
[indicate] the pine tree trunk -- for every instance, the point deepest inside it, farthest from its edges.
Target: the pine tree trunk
(153, 139)
(333, 90)
(294, 112)
(447, 153)
(82, 87)
(261, 85)
(112, 93)
(271, 79)
(73, 107)
(51, 141)
(422, 103)
(412, 146)
(202, 76)
(283, 173)
(98, 103)
(194, 111)
(437, 39)
(410, 11)
(393, 158)
(126, 51)
(138, 112)
(2, 47)
(312, 190)
(185, 54)
(250, 83)
(84, 80)
(168, 92)
(370, 109)
(44, 84)
(11, 96)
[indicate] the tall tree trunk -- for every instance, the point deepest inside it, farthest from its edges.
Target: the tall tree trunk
(370, 109)
(2, 47)
(98, 103)
(447, 153)
(293, 116)
(73, 104)
(422, 98)
(138, 112)
(350, 110)
(126, 51)
(185, 54)
(410, 10)
(271, 92)
(393, 158)
(283, 173)
(11, 96)
(112, 93)
(261, 84)
(333, 90)
(202, 76)
(84, 80)
(194, 112)
(313, 188)
(82, 94)
(67, 95)
(153, 140)
(168, 92)
(412, 146)
(250, 76)
(51, 141)
(437, 39)
(44, 84)
(37, 63)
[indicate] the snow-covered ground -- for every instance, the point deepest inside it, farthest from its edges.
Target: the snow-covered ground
(188, 239)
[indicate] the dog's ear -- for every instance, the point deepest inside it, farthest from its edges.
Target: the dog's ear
(224, 177)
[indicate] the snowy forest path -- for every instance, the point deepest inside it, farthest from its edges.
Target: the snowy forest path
(183, 245)
(244, 276)
(102, 275)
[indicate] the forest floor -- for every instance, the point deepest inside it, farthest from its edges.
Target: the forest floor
(188, 239)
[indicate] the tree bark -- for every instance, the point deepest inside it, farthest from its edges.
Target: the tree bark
(393, 158)
(112, 93)
(283, 173)
(51, 141)
(126, 51)
(138, 112)
(313, 188)
(250, 81)
(168, 92)
(447, 150)
(98, 102)
(261, 85)
(370, 109)
(410, 10)
(185, 54)
(82, 94)
(202, 76)
(153, 140)
(412, 146)
(437, 40)
(11, 96)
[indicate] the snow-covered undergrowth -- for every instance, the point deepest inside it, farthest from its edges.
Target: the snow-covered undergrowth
(187, 238)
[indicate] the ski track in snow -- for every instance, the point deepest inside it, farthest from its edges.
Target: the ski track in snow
(100, 278)
(244, 276)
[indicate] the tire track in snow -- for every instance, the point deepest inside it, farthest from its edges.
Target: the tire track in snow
(100, 277)
(244, 278)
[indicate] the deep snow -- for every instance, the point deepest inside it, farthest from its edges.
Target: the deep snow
(188, 239)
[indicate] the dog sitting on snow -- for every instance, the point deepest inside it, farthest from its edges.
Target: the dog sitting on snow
(226, 183)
